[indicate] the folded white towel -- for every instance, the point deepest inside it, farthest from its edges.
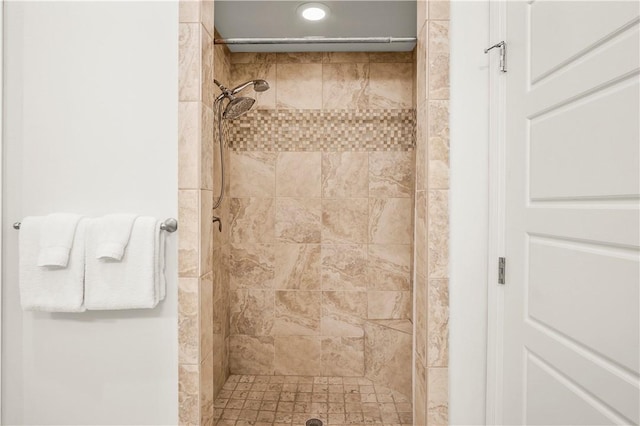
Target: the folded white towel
(133, 283)
(56, 238)
(113, 232)
(50, 288)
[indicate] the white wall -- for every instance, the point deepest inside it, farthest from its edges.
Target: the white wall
(469, 124)
(91, 127)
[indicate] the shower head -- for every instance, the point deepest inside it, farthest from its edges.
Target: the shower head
(237, 107)
(258, 86)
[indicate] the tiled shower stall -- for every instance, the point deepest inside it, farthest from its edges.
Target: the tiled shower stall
(331, 265)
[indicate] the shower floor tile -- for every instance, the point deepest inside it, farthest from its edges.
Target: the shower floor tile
(292, 400)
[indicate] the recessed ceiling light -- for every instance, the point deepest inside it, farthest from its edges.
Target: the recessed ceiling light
(313, 11)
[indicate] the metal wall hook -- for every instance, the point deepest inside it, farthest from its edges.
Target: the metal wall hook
(217, 219)
(503, 54)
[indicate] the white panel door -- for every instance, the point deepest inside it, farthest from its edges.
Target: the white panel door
(571, 299)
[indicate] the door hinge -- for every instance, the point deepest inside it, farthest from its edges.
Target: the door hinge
(502, 262)
(503, 54)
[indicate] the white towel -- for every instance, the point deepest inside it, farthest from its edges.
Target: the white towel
(50, 288)
(135, 282)
(56, 238)
(113, 232)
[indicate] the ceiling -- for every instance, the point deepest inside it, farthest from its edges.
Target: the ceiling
(360, 18)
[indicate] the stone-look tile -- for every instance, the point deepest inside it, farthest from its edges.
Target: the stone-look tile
(253, 174)
(206, 232)
(206, 315)
(299, 58)
(251, 354)
(388, 357)
(297, 266)
(438, 396)
(345, 174)
(421, 313)
(344, 221)
(422, 70)
(343, 313)
(388, 267)
(189, 11)
(391, 57)
(298, 174)
(420, 238)
(189, 57)
(421, 151)
(438, 329)
(422, 13)
(345, 57)
(206, 148)
(420, 394)
(390, 174)
(207, 16)
(439, 10)
(390, 85)
(299, 86)
(297, 355)
(438, 36)
(438, 75)
(438, 226)
(188, 145)
(188, 394)
(252, 220)
(252, 312)
(298, 220)
(389, 304)
(344, 267)
(297, 313)
(220, 286)
(206, 391)
(345, 86)
(251, 266)
(438, 144)
(241, 73)
(343, 356)
(189, 238)
(220, 360)
(253, 58)
(188, 320)
(206, 85)
(390, 220)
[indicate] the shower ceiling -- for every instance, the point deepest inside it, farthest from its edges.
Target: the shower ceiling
(264, 18)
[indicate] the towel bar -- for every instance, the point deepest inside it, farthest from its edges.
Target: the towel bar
(169, 225)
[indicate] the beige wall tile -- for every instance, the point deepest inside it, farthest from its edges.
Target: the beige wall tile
(206, 46)
(298, 174)
(297, 355)
(420, 315)
(438, 218)
(344, 221)
(297, 266)
(390, 174)
(189, 11)
(439, 75)
(297, 313)
(253, 174)
(344, 267)
(252, 220)
(189, 238)
(388, 267)
(391, 57)
(241, 73)
(298, 220)
(206, 391)
(206, 232)
(253, 58)
(188, 394)
(389, 304)
(438, 37)
(252, 312)
(251, 355)
(251, 266)
(206, 148)
(345, 57)
(345, 174)
(189, 57)
(422, 70)
(299, 58)
(207, 17)
(387, 357)
(421, 152)
(390, 220)
(420, 238)
(422, 13)
(343, 313)
(188, 145)
(343, 356)
(420, 396)
(345, 86)
(299, 86)
(438, 144)
(439, 10)
(438, 396)
(206, 316)
(438, 329)
(220, 287)
(188, 320)
(220, 358)
(391, 85)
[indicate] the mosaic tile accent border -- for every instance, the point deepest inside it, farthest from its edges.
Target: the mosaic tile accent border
(324, 130)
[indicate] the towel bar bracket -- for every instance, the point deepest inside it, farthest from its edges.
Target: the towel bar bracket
(169, 225)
